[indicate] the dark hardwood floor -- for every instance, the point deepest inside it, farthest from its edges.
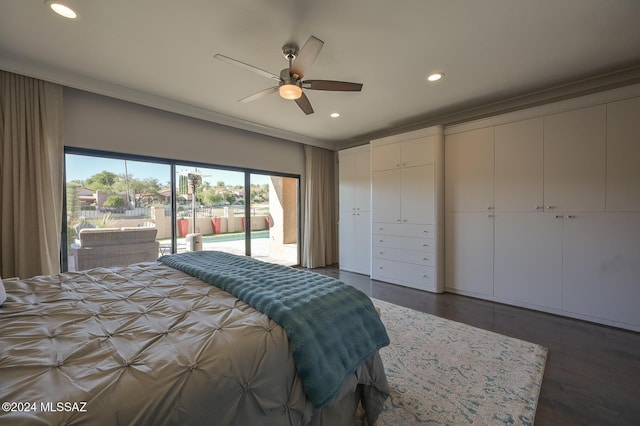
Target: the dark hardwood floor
(592, 375)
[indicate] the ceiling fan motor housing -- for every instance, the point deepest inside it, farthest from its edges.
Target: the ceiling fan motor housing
(286, 77)
(290, 51)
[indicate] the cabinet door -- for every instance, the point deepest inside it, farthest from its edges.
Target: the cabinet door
(574, 160)
(347, 231)
(347, 179)
(468, 170)
(417, 194)
(385, 195)
(601, 274)
(469, 253)
(623, 152)
(362, 243)
(363, 181)
(355, 241)
(385, 157)
(528, 258)
(418, 152)
(518, 166)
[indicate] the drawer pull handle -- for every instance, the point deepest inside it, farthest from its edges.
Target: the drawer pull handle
(425, 276)
(569, 216)
(425, 245)
(380, 252)
(381, 241)
(425, 231)
(380, 267)
(425, 259)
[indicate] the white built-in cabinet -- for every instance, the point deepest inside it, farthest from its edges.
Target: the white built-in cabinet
(544, 212)
(575, 160)
(354, 226)
(407, 209)
(623, 152)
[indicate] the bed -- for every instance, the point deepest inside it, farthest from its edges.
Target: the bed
(152, 344)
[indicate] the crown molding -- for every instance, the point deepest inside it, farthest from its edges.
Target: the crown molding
(592, 85)
(81, 82)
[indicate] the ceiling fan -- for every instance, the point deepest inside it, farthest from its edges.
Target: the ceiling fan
(290, 83)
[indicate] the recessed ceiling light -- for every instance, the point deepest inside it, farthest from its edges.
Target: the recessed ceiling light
(62, 9)
(435, 76)
(335, 115)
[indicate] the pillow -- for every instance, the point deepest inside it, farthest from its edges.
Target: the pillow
(3, 293)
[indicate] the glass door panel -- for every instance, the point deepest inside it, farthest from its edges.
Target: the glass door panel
(105, 192)
(219, 208)
(274, 218)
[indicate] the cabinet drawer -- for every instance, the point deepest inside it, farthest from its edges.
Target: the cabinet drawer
(417, 276)
(406, 243)
(403, 230)
(407, 256)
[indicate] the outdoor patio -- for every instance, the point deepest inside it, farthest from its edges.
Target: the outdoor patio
(261, 247)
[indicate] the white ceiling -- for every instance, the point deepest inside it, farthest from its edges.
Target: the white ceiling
(160, 53)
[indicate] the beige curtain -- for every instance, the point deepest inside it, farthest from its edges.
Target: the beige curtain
(320, 239)
(31, 162)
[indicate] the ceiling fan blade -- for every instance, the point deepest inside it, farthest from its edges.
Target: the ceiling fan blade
(304, 104)
(307, 56)
(260, 94)
(338, 86)
(247, 66)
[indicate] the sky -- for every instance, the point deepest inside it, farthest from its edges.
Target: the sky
(80, 167)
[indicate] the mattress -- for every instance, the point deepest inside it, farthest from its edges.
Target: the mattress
(149, 344)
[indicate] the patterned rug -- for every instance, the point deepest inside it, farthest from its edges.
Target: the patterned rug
(443, 372)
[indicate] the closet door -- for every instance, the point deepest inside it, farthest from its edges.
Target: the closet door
(469, 170)
(469, 253)
(418, 152)
(575, 160)
(518, 166)
(386, 196)
(601, 274)
(362, 178)
(347, 185)
(417, 195)
(385, 157)
(623, 153)
(528, 258)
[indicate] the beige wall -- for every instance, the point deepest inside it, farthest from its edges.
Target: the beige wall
(99, 122)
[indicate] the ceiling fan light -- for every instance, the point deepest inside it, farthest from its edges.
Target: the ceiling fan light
(290, 91)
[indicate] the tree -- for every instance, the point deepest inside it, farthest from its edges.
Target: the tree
(230, 198)
(103, 181)
(114, 201)
(210, 198)
(73, 203)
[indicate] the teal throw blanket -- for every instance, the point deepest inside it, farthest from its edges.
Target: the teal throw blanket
(332, 326)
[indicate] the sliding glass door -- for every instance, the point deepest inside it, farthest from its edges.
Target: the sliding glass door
(216, 210)
(237, 211)
(108, 192)
(274, 218)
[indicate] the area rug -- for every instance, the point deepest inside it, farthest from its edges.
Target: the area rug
(443, 372)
